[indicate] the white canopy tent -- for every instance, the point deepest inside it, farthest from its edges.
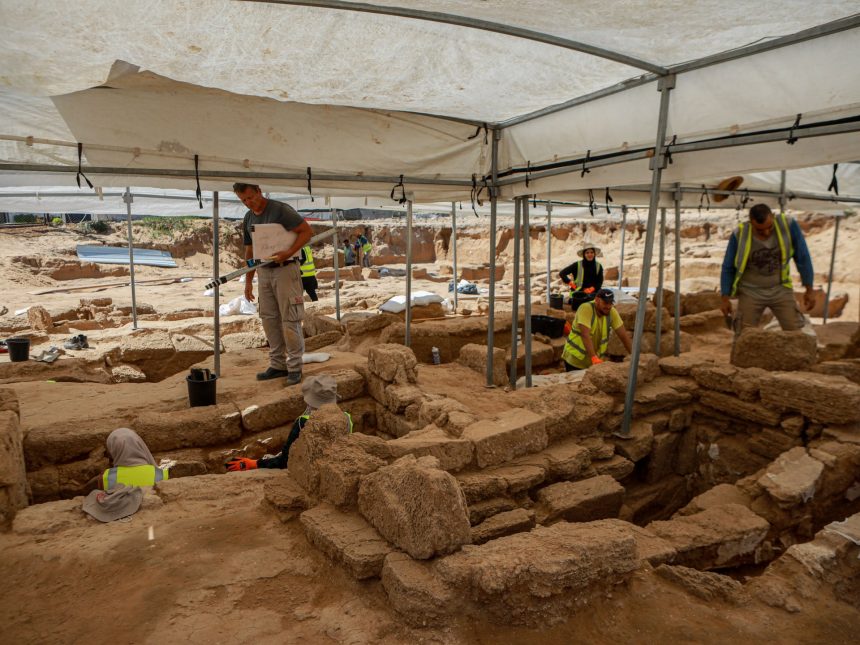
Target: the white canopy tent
(439, 103)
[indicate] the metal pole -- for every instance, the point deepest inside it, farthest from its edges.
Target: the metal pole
(336, 264)
(623, 233)
(548, 251)
(832, 262)
(454, 247)
(408, 336)
(515, 302)
(216, 271)
(677, 270)
(658, 162)
(527, 288)
(128, 199)
(659, 303)
(781, 191)
(491, 314)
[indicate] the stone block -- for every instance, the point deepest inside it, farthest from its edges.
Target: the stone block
(340, 471)
(479, 511)
(646, 502)
(792, 478)
(39, 318)
(611, 378)
(315, 325)
(663, 393)
(566, 460)
(273, 410)
(501, 480)
(747, 382)
(820, 397)
(715, 377)
(502, 524)
(718, 537)
(317, 342)
(447, 414)
(13, 475)
(202, 426)
(513, 433)
(591, 499)
(395, 425)
(701, 301)
(682, 365)
(414, 590)
(775, 350)
(399, 397)
(475, 357)
(662, 458)
(637, 444)
(734, 407)
(453, 454)
(246, 487)
(771, 443)
(598, 448)
(146, 345)
(347, 539)
(416, 506)
(719, 495)
(393, 363)
(363, 326)
(617, 467)
(686, 459)
(705, 585)
(285, 495)
(849, 368)
(51, 517)
(325, 427)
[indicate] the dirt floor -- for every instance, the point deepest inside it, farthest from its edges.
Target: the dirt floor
(223, 564)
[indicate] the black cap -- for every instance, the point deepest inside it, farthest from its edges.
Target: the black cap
(607, 295)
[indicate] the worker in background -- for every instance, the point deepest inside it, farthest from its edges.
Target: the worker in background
(363, 245)
(757, 268)
(584, 277)
(309, 273)
(132, 463)
(348, 254)
(589, 335)
(317, 392)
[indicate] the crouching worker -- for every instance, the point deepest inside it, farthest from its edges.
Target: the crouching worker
(317, 392)
(589, 335)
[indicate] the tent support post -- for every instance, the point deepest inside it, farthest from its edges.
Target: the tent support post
(336, 264)
(491, 313)
(515, 298)
(216, 270)
(454, 248)
(659, 299)
(781, 191)
(677, 348)
(527, 292)
(658, 162)
(832, 262)
(408, 334)
(548, 251)
(128, 199)
(623, 233)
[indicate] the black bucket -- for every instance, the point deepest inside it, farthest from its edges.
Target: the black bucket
(19, 349)
(578, 298)
(548, 326)
(556, 301)
(201, 391)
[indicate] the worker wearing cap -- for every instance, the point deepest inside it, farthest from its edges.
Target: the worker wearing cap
(317, 392)
(585, 276)
(589, 334)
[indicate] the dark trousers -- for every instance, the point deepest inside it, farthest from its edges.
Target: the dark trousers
(570, 368)
(309, 284)
(280, 460)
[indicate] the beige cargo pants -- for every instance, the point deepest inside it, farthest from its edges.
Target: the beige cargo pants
(281, 312)
(752, 303)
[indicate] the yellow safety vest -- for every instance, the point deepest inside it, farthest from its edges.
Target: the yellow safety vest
(307, 266)
(366, 246)
(579, 276)
(574, 346)
(144, 475)
(786, 250)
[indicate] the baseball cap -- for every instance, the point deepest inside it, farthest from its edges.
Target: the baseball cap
(607, 295)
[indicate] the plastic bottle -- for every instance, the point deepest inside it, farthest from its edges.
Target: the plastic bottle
(437, 359)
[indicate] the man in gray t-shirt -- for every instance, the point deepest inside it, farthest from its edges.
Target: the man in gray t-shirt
(281, 300)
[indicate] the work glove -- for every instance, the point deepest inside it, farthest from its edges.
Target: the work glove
(588, 290)
(595, 360)
(240, 463)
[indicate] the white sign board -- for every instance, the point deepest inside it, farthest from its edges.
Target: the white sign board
(269, 239)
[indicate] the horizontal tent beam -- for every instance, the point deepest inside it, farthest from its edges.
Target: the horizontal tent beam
(475, 23)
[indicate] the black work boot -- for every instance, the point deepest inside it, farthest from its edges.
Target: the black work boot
(293, 378)
(270, 373)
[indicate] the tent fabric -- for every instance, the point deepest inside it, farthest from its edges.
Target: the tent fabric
(256, 87)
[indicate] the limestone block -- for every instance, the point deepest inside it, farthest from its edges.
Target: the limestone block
(73, 477)
(146, 344)
(506, 523)
(566, 460)
(340, 471)
(513, 433)
(792, 478)
(44, 484)
(276, 409)
(363, 326)
(448, 414)
(13, 476)
(317, 342)
(775, 350)
(479, 511)
(849, 368)
(617, 467)
(686, 461)
(246, 487)
(734, 407)
(315, 325)
(696, 303)
(682, 365)
(719, 495)
(662, 458)
(51, 517)
(706, 585)
(400, 397)
(747, 382)
(414, 590)
(679, 418)
(647, 502)
(718, 537)
(347, 539)
(325, 427)
(393, 363)
(663, 393)
(39, 318)
(501, 480)
(416, 506)
(583, 501)
(375, 446)
(127, 374)
(475, 357)
(820, 397)
(453, 454)
(202, 426)
(637, 444)
(395, 425)
(627, 311)
(598, 448)
(771, 443)
(531, 578)
(611, 378)
(715, 377)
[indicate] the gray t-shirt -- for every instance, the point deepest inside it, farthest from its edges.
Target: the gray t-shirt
(763, 266)
(274, 213)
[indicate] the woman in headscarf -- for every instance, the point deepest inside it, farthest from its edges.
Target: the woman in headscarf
(584, 277)
(131, 462)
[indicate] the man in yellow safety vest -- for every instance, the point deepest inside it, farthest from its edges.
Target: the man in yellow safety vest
(589, 335)
(309, 273)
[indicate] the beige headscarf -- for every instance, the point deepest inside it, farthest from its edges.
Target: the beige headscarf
(126, 448)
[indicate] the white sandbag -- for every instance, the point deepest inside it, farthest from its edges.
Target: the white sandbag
(419, 299)
(238, 305)
(315, 357)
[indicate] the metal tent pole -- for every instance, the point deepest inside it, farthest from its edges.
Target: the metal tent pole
(659, 299)
(623, 233)
(216, 271)
(677, 348)
(408, 336)
(548, 251)
(128, 199)
(658, 162)
(781, 191)
(454, 247)
(336, 264)
(527, 297)
(832, 262)
(491, 314)
(515, 302)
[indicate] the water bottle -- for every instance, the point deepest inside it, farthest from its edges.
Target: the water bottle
(437, 359)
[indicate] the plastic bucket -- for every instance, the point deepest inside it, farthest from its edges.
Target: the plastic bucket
(201, 392)
(556, 301)
(579, 298)
(548, 326)
(19, 349)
